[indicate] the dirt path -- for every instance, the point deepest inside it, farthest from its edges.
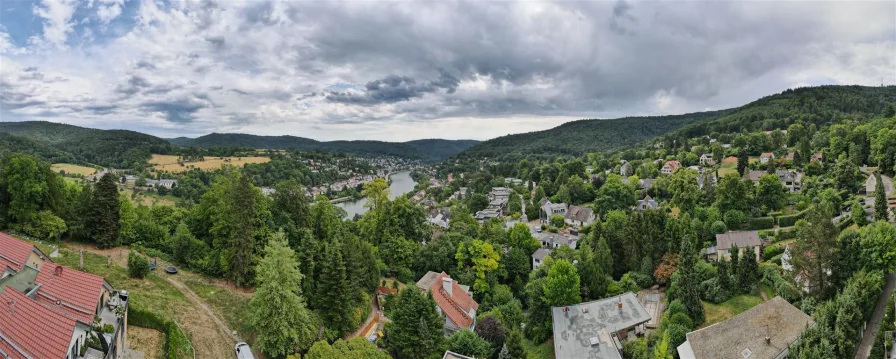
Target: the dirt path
(864, 349)
(209, 334)
(373, 315)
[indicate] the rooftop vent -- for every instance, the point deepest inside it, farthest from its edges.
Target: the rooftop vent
(584, 309)
(594, 341)
(58, 271)
(746, 353)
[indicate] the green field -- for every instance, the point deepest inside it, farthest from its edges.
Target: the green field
(718, 312)
(729, 165)
(71, 169)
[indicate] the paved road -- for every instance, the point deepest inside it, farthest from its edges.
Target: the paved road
(864, 349)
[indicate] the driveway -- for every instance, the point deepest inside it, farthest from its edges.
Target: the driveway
(864, 349)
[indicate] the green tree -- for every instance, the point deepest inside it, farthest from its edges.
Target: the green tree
(732, 193)
(514, 345)
(845, 174)
(748, 273)
(466, 342)
(355, 348)
(881, 212)
(334, 291)
(290, 205)
(857, 213)
(878, 245)
(661, 350)
(883, 149)
(416, 327)
(742, 162)
(614, 195)
(689, 281)
(181, 243)
(770, 193)
(594, 278)
(682, 186)
(481, 258)
(104, 220)
(520, 236)
(277, 311)
(562, 285)
(815, 249)
(478, 202)
(138, 266)
(557, 221)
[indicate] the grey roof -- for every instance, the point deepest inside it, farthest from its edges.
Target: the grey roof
(741, 238)
(580, 213)
(779, 320)
(575, 327)
(427, 280)
(541, 253)
(549, 207)
(557, 238)
(453, 355)
(755, 175)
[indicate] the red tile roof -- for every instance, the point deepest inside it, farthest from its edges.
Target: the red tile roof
(14, 252)
(29, 330)
(77, 293)
(673, 165)
(455, 306)
(767, 155)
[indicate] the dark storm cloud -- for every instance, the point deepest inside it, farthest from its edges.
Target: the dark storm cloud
(394, 88)
(134, 84)
(180, 110)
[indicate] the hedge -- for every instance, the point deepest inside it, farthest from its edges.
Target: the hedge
(176, 345)
(787, 221)
(761, 223)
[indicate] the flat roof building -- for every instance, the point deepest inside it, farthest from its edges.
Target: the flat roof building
(592, 330)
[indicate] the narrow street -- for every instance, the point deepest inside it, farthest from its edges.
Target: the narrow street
(864, 348)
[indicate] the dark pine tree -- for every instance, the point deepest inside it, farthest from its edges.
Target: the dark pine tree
(416, 327)
(880, 202)
(742, 161)
(688, 283)
(335, 291)
(103, 224)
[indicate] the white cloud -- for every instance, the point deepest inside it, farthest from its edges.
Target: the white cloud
(57, 15)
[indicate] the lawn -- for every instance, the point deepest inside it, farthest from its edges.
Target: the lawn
(149, 199)
(718, 312)
(542, 351)
(232, 307)
(769, 291)
(72, 169)
(171, 163)
(729, 165)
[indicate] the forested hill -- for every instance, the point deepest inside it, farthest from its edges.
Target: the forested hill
(433, 149)
(819, 105)
(61, 142)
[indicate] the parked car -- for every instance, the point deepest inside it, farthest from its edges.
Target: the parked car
(243, 351)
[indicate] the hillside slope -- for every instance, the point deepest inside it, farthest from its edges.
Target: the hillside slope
(820, 104)
(112, 148)
(431, 149)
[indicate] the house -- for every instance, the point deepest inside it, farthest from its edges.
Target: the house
(453, 355)
(454, 301)
(514, 181)
(48, 311)
(549, 209)
(791, 180)
(789, 157)
(817, 156)
(579, 216)
(670, 166)
(539, 256)
(498, 199)
(765, 331)
(745, 240)
(765, 157)
(645, 204)
(625, 169)
(595, 330)
(460, 194)
(706, 159)
(870, 185)
(707, 177)
(726, 145)
(440, 217)
(549, 241)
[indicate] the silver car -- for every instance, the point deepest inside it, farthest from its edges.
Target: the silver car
(243, 351)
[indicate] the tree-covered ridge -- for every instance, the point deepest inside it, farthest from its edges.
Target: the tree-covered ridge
(429, 149)
(11, 143)
(819, 105)
(580, 137)
(112, 148)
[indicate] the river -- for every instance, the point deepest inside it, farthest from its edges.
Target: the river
(401, 183)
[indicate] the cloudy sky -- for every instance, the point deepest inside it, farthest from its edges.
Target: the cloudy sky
(405, 70)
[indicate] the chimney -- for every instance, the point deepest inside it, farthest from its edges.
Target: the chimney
(446, 285)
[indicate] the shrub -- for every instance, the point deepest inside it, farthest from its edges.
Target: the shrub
(683, 320)
(771, 251)
(557, 221)
(761, 223)
(138, 266)
(787, 221)
(734, 218)
(719, 227)
(108, 329)
(176, 345)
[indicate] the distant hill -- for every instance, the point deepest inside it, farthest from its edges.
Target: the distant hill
(820, 105)
(433, 149)
(112, 148)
